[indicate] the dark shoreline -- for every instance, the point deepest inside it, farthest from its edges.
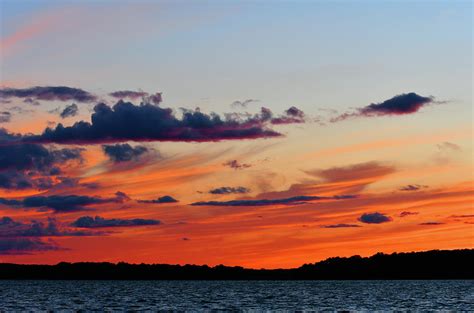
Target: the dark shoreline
(428, 265)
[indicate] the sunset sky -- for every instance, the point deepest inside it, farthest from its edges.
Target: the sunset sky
(253, 133)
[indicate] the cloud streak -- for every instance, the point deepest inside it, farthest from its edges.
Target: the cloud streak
(62, 203)
(99, 222)
(48, 93)
(11, 228)
(264, 202)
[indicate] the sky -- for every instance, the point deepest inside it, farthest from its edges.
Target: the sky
(252, 133)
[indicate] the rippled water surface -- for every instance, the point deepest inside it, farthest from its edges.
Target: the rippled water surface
(19, 296)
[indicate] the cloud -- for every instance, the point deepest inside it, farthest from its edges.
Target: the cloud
(12, 246)
(448, 146)
(155, 98)
(228, 190)
(5, 117)
(70, 110)
(412, 187)
(406, 103)
(292, 116)
(243, 103)
(463, 216)
(164, 199)
(11, 228)
(31, 101)
(62, 203)
(351, 178)
(49, 93)
(374, 218)
(27, 165)
(128, 94)
(368, 170)
(236, 165)
(262, 202)
(407, 213)
(124, 152)
(340, 226)
(90, 222)
(147, 122)
(431, 223)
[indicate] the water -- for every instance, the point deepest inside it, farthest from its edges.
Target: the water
(72, 296)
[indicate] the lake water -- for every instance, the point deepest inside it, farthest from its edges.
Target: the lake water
(67, 296)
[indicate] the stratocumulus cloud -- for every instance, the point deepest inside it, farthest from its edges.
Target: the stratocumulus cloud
(62, 203)
(25, 245)
(374, 218)
(5, 117)
(69, 111)
(147, 122)
(342, 225)
(407, 103)
(124, 152)
(124, 94)
(97, 222)
(48, 93)
(27, 165)
(228, 190)
(155, 98)
(236, 165)
(12, 228)
(262, 202)
(164, 199)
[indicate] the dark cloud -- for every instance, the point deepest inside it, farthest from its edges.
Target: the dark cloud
(50, 93)
(70, 110)
(155, 98)
(164, 199)
(12, 246)
(62, 203)
(374, 218)
(5, 117)
(123, 152)
(90, 222)
(340, 226)
(412, 187)
(407, 213)
(431, 223)
(292, 116)
(11, 228)
(243, 103)
(128, 94)
(399, 105)
(228, 190)
(236, 165)
(27, 165)
(262, 202)
(147, 122)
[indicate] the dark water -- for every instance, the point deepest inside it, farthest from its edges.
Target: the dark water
(67, 296)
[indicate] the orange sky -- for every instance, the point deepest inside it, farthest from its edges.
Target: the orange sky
(260, 236)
